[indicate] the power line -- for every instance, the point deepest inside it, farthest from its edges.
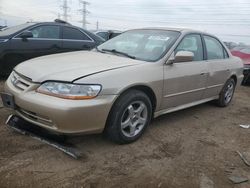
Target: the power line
(84, 13)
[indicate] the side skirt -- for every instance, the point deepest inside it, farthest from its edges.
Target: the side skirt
(181, 107)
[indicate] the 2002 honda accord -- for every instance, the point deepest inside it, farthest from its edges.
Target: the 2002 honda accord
(118, 87)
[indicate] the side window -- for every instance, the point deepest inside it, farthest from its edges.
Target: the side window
(192, 43)
(46, 31)
(104, 35)
(214, 48)
(74, 34)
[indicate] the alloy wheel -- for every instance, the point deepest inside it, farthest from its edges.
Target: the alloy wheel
(134, 118)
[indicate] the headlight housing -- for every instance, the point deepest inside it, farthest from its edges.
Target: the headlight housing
(69, 91)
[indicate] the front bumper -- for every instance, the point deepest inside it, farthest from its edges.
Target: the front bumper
(61, 115)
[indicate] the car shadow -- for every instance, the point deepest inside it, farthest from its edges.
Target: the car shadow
(3, 78)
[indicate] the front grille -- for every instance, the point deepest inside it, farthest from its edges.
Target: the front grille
(35, 117)
(20, 82)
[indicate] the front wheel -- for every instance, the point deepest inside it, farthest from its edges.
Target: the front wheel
(227, 93)
(129, 117)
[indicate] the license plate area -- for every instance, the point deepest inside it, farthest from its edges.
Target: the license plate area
(8, 100)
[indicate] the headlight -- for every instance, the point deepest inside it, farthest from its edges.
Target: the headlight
(69, 91)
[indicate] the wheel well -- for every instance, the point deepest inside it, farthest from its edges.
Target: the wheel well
(148, 91)
(235, 78)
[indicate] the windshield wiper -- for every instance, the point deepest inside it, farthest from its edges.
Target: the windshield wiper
(97, 49)
(118, 52)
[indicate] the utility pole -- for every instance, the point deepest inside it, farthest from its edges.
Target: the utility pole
(97, 25)
(65, 9)
(84, 13)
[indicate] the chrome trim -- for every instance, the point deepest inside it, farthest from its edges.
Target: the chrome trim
(191, 91)
(184, 92)
(3, 40)
(56, 39)
(19, 82)
(91, 40)
(213, 86)
(8, 119)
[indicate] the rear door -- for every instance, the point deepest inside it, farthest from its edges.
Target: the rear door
(75, 39)
(218, 65)
(46, 40)
(185, 82)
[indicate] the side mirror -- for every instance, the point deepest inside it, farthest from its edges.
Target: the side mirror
(181, 56)
(26, 34)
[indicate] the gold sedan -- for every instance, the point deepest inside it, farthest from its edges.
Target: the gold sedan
(125, 82)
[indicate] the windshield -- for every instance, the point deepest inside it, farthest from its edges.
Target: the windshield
(147, 45)
(11, 30)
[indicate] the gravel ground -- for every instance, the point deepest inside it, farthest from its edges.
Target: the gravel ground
(191, 148)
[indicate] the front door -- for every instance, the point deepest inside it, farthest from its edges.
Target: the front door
(46, 40)
(185, 82)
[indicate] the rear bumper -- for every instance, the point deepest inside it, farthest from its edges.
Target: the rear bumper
(61, 115)
(246, 73)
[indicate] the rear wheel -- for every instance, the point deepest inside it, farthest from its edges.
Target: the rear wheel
(129, 117)
(227, 93)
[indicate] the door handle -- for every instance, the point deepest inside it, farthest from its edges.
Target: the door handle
(203, 73)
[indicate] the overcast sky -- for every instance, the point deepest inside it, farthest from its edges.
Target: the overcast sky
(228, 19)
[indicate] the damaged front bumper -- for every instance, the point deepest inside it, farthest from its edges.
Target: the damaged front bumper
(22, 127)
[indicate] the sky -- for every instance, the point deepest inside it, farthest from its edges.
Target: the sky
(227, 19)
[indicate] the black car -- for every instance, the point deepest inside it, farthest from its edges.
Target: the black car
(107, 34)
(31, 40)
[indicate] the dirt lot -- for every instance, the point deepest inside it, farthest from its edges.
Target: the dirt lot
(190, 148)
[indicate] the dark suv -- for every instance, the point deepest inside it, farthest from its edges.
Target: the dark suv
(31, 40)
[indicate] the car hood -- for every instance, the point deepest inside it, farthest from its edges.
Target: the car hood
(71, 66)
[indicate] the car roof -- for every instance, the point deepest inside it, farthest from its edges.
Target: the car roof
(54, 23)
(58, 24)
(182, 30)
(110, 30)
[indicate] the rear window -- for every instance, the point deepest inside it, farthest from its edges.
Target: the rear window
(74, 34)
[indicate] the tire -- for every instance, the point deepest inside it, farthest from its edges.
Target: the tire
(129, 117)
(226, 95)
